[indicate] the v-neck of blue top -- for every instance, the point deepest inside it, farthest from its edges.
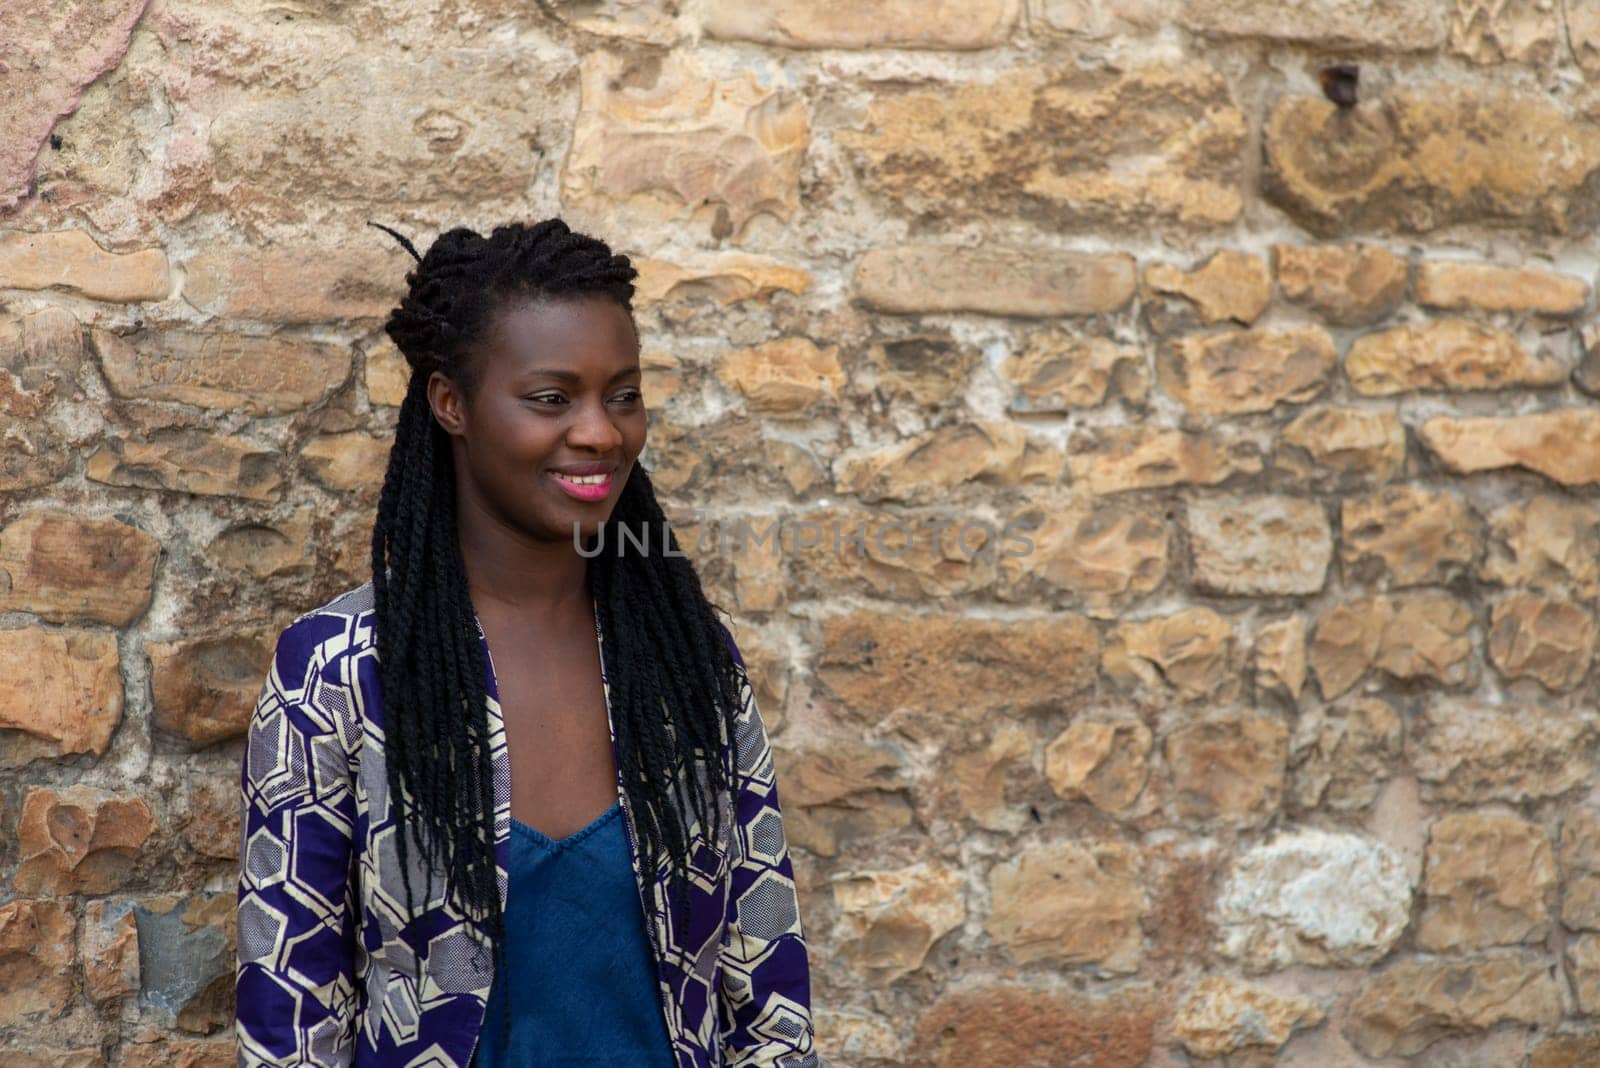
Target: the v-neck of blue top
(572, 839)
(580, 987)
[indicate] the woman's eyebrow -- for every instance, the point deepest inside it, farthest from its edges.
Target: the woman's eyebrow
(563, 375)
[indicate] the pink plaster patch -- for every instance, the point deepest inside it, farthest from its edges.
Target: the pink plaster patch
(58, 49)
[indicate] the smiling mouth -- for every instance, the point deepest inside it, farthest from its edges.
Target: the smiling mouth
(586, 487)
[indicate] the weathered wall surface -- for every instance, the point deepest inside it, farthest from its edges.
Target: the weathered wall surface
(1277, 746)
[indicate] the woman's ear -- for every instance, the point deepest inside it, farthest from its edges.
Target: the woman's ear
(447, 402)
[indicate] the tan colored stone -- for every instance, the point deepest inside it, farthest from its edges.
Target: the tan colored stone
(354, 462)
(1325, 446)
(1538, 637)
(980, 779)
(1280, 657)
(1151, 144)
(926, 369)
(1221, 1015)
(1583, 965)
(82, 1057)
(1563, 444)
(1229, 285)
(876, 663)
(211, 822)
(952, 24)
(1105, 556)
(1580, 868)
(1445, 354)
(1114, 1030)
(1340, 755)
(760, 577)
(1407, 536)
(860, 1038)
(109, 949)
(1426, 635)
(1116, 459)
(1349, 284)
(1490, 287)
(661, 377)
(788, 377)
(925, 468)
(298, 142)
(190, 462)
(41, 354)
(65, 568)
(1424, 156)
(722, 278)
(664, 135)
(1042, 463)
(904, 557)
(78, 839)
(843, 793)
(1056, 372)
(1102, 762)
(297, 284)
(705, 455)
(1259, 545)
(1031, 283)
(204, 689)
(1321, 898)
(257, 375)
(36, 954)
(71, 260)
(889, 919)
(657, 22)
(1344, 642)
(1089, 19)
(1470, 750)
(387, 373)
(1547, 543)
(1070, 903)
(173, 1053)
(1407, 1007)
(1410, 25)
(1522, 31)
(263, 550)
(1583, 35)
(1189, 655)
(1417, 635)
(62, 689)
(1488, 881)
(1566, 1051)
(1240, 371)
(1228, 769)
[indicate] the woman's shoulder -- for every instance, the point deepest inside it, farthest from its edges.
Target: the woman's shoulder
(340, 625)
(312, 669)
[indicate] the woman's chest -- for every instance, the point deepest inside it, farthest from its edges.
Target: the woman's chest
(559, 740)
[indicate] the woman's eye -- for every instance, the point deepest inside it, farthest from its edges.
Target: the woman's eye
(631, 396)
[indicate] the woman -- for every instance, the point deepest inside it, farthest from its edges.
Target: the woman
(533, 699)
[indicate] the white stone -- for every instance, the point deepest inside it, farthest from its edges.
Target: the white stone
(1314, 897)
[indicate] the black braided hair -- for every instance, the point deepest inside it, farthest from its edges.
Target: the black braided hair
(674, 681)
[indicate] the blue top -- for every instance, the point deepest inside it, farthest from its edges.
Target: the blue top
(582, 973)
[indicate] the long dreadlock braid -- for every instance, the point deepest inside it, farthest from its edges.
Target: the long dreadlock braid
(674, 681)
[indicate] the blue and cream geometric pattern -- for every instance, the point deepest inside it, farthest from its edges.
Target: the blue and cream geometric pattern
(329, 972)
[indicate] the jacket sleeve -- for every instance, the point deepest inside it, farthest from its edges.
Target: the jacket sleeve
(294, 971)
(764, 991)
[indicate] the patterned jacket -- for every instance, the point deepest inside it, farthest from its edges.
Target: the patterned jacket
(324, 975)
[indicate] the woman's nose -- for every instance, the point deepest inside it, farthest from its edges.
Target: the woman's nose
(593, 428)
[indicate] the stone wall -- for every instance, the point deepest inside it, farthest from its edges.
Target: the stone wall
(1267, 328)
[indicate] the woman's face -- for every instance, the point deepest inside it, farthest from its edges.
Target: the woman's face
(558, 398)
